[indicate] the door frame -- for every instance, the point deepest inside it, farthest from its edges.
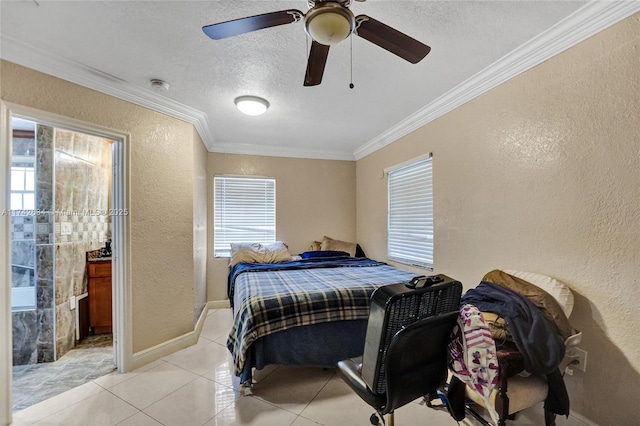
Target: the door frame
(120, 232)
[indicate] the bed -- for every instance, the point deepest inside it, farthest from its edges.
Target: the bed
(309, 312)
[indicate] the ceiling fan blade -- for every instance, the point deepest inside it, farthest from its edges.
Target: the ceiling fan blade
(315, 66)
(391, 39)
(251, 23)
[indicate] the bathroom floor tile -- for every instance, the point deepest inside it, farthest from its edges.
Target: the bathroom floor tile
(89, 360)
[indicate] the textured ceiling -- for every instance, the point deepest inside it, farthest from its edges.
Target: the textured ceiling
(118, 46)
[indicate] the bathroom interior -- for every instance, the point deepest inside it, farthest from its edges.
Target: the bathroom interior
(60, 197)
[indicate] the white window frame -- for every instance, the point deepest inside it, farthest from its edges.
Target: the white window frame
(244, 210)
(22, 188)
(410, 229)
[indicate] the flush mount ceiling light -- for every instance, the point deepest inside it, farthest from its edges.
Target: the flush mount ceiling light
(251, 105)
(159, 85)
(329, 23)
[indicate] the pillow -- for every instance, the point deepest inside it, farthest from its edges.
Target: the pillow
(543, 300)
(259, 253)
(326, 253)
(337, 245)
(276, 252)
(552, 286)
(315, 246)
(244, 252)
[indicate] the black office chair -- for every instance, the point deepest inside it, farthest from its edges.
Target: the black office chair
(401, 366)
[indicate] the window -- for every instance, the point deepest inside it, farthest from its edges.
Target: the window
(23, 195)
(244, 210)
(410, 221)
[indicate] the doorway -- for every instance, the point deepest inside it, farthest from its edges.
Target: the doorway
(55, 289)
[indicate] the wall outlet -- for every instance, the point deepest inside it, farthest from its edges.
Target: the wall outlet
(66, 228)
(72, 303)
(579, 356)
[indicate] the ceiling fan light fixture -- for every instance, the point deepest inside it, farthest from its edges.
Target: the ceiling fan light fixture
(329, 23)
(251, 105)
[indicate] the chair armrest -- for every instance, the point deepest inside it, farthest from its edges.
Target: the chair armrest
(510, 362)
(509, 355)
(348, 371)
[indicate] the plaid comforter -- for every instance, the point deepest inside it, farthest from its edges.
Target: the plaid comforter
(274, 300)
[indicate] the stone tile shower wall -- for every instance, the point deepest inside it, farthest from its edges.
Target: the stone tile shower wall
(82, 182)
(44, 244)
(78, 167)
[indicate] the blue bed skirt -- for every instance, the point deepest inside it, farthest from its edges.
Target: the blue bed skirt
(321, 345)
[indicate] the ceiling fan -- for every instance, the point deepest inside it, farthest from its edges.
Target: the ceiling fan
(327, 23)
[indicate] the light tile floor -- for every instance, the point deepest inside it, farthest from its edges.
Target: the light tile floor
(196, 386)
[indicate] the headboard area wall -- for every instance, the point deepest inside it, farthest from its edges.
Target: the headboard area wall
(313, 198)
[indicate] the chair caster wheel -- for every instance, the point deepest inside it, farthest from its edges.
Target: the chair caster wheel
(374, 420)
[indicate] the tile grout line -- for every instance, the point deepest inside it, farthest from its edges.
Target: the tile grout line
(183, 386)
(314, 397)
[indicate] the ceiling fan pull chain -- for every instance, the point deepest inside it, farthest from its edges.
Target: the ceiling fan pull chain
(351, 86)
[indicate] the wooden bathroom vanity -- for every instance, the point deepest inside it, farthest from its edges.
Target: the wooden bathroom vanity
(99, 286)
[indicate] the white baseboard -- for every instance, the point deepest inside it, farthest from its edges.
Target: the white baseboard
(176, 344)
(218, 304)
(154, 353)
(579, 420)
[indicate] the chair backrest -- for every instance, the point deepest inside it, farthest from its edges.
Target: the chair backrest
(394, 308)
(417, 360)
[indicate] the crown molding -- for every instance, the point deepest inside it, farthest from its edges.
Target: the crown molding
(587, 21)
(269, 151)
(592, 18)
(44, 61)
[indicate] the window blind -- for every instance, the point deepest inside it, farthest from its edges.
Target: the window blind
(244, 210)
(410, 214)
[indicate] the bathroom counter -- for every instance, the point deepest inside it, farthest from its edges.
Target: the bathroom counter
(99, 259)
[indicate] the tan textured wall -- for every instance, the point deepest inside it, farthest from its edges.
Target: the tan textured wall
(313, 198)
(162, 178)
(200, 202)
(543, 174)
